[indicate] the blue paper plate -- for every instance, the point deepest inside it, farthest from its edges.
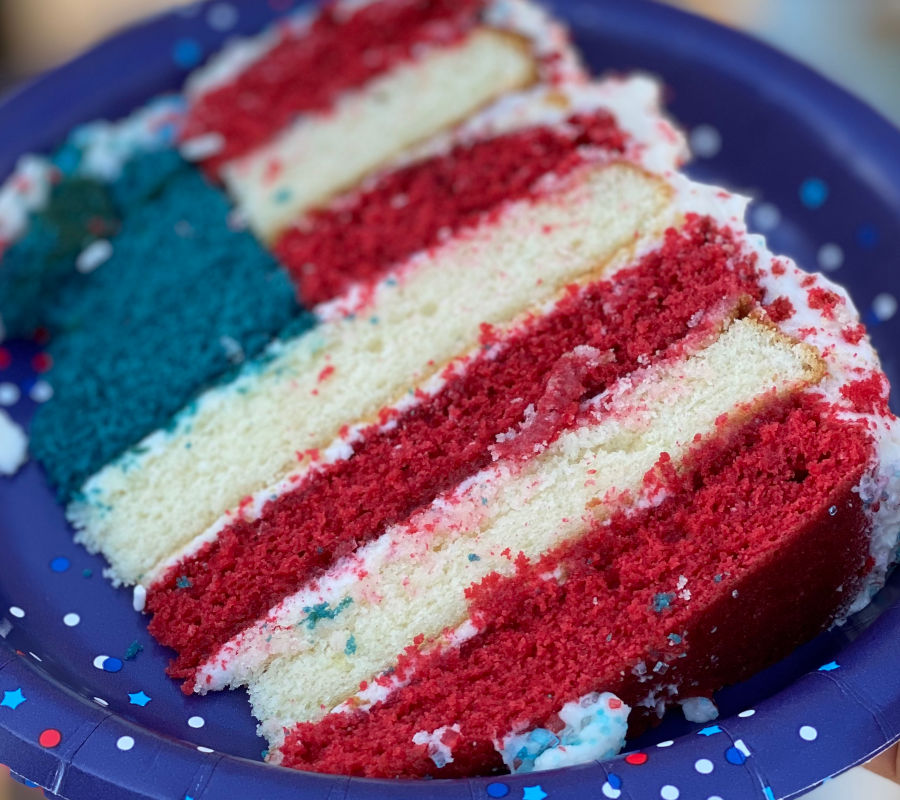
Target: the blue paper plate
(86, 709)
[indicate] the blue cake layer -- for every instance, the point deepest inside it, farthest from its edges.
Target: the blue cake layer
(181, 300)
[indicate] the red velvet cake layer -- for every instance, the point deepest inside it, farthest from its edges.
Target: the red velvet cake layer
(413, 208)
(667, 592)
(306, 71)
(231, 582)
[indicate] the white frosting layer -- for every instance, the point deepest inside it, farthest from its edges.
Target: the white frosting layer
(13, 445)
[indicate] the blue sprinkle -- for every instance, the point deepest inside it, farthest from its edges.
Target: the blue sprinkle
(183, 582)
(662, 600)
(709, 731)
(187, 53)
(265, 754)
(350, 647)
(497, 790)
(86, 573)
(133, 649)
(813, 192)
(320, 611)
(674, 638)
(373, 320)
(60, 564)
(112, 664)
(829, 667)
(735, 756)
(614, 780)
(767, 791)
(484, 501)
(474, 557)
(283, 195)
(717, 578)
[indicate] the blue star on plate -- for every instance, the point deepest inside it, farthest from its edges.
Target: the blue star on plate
(533, 793)
(13, 699)
(710, 730)
(138, 699)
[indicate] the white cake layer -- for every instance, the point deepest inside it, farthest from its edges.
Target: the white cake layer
(245, 436)
(416, 574)
(322, 154)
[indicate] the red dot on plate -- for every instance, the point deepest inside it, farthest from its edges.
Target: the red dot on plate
(50, 738)
(5, 358)
(42, 362)
(636, 759)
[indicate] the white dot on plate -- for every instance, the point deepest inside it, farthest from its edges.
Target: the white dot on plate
(41, 392)
(766, 216)
(98, 661)
(703, 765)
(71, 620)
(884, 306)
(706, 141)
(667, 743)
(748, 713)
(100, 701)
(124, 743)
(9, 394)
(16, 612)
(808, 733)
(830, 257)
(203, 749)
(714, 797)
(222, 17)
(196, 722)
(610, 792)
(669, 792)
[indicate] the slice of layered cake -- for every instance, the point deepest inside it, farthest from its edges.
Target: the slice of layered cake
(513, 438)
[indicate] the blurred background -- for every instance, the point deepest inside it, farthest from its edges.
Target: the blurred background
(854, 42)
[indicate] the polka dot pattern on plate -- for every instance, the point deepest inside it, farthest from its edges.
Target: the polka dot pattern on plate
(830, 257)
(669, 792)
(704, 766)
(808, 733)
(17, 612)
(125, 743)
(705, 141)
(71, 620)
(196, 722)
(222, 17)
(108, 663)
(813, 192)
(9, 394)
(884, 306)
(766, 217)
(41, 392)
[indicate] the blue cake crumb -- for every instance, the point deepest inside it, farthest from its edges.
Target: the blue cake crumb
(138, 338)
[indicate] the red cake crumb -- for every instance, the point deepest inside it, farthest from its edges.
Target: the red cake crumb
(869, 395)
(307, 71)
(780, 309)
(411, 209)
(742, 528)
(446, 438)
(823, 300)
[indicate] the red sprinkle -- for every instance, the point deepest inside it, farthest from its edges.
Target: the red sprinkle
(42, 362)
